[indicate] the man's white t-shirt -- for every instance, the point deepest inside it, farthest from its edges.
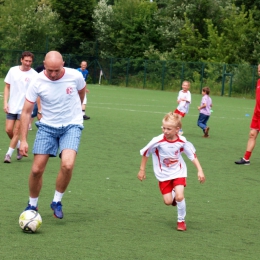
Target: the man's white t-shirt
(168, 163)
(184, 106)
(60, 101)
(19, 81)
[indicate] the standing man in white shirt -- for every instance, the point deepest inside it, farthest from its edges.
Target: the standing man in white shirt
(83, 69)
(61, 91)
(16, 83)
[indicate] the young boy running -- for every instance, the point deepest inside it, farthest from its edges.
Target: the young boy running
(169, 166)
(184, 101)
(204, 108)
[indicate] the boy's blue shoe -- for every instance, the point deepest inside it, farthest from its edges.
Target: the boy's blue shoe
(29, 207)
(57, 209)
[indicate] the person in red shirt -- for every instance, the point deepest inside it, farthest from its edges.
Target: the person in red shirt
(254, 127)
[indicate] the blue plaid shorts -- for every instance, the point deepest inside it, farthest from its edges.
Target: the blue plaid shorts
(49, 139)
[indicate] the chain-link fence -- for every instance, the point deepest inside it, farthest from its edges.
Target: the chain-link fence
(223, 79)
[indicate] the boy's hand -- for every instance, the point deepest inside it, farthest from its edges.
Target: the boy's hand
(141, 175)
(201, 177)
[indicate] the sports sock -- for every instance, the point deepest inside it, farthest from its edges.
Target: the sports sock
(18, 144)
(10, 151)
(181, 208)
(33, 201)
(173, 194)
(247, 155)
(83, 112)
(173, 197)
(57, 196)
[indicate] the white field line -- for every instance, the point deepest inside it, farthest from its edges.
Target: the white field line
(163, 113)
(97, 105)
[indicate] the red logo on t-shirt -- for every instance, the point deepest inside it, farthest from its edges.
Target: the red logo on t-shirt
(170, 161)
(69, 90)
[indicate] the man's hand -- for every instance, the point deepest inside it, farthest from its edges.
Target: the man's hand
(23, 148)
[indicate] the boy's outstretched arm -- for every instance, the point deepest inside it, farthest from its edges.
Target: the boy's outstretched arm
(201, 176)
(141, 174)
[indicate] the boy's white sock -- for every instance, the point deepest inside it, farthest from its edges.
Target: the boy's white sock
(173, 194)
(181, 208)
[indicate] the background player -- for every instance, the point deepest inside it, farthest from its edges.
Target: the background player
(16, 83)
(184, 101)
(254, 127)
(84, 71)
(204, 111)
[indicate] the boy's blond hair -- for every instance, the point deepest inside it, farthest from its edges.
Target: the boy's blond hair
(186, 81)
(173, 119)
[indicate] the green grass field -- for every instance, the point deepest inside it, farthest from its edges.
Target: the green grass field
(109, 214)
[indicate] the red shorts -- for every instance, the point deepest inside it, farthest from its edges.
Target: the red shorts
(176, 111)
(255, 123)
(168, 186)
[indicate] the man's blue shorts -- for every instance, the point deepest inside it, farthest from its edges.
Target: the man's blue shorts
(13, 116)
(49, 139)
(35, 110)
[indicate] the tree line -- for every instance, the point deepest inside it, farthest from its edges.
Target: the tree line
(217, 31)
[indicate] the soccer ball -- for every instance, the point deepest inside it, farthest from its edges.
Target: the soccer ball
(30, 221)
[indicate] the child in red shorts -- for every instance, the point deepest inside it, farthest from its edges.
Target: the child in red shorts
(169, 166)
(184, 101)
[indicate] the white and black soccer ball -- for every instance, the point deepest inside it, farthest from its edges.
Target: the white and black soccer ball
(30, 221)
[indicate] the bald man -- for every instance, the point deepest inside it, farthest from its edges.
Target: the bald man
(61, 92)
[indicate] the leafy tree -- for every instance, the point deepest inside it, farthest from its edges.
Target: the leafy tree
(248, 4)
(102, 21)
(206, 9)
(125, 29)
(183, 36)
(230, 36)
(191, 44)
(234, 43)
(28, 25)
(134, 28)
(168, 21)
(76, 18)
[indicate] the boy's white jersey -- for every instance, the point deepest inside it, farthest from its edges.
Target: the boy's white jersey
(184, 106)
(19, 81)
(60, 101)
(168, 163)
